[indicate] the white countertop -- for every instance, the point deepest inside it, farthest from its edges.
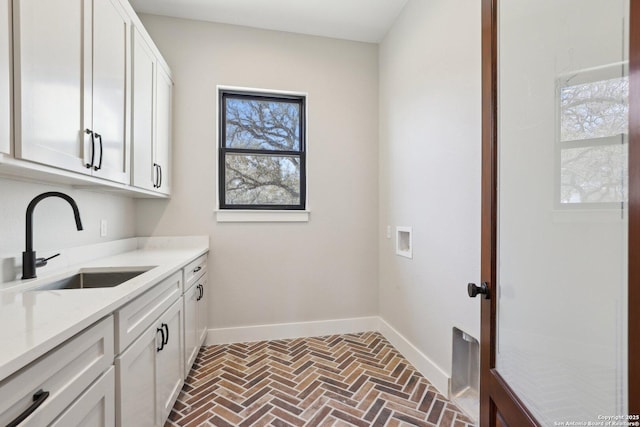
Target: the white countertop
(34, 322)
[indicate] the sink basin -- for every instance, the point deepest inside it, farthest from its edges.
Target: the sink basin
(94, 279)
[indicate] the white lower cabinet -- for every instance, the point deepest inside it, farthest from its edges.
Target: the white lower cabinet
(77, 384)
(136, 371)
(195, 321)
(191, 346)
(158, 336)
(195, 311)
(138, 315)
(95, 408)
(43, 390)
(149, 373)
(201, 325)
(170, 360)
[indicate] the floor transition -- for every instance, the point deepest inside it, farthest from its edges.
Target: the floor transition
(337, 380)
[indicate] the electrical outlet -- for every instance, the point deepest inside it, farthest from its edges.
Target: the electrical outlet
(103, 228)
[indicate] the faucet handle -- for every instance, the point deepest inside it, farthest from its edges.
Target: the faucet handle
(41, 262)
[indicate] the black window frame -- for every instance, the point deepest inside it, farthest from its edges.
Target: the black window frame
(223, 150)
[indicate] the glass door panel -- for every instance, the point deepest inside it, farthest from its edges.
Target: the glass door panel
(562, 212)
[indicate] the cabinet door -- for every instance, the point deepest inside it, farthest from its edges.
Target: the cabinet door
(110, 40)
(52, 74)
(5, 89)
(170, 360)
(136, 373)
(94, 408)
(203, 312)
(144, 75)
(163, 129)
(190, 327)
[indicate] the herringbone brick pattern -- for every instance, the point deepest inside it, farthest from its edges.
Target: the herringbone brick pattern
(338, 380)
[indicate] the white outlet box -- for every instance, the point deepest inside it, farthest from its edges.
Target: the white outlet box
(103, 228)
(404, 242)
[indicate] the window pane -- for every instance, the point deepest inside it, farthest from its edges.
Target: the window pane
(264, 125)
(595, 174)
(594, 110)
(262, 180)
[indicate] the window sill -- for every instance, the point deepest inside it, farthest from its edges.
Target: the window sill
(262, 216)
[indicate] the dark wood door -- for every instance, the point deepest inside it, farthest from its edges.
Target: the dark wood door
(502, 394)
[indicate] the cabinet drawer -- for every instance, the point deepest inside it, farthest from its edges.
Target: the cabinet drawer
(193, 271)
(64, 373)
(132, 319)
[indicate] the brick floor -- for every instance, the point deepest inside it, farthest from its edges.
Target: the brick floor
(337, 380)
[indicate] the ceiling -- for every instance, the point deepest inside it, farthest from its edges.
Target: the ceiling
(359, 20)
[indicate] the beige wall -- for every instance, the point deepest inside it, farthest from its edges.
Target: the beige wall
(430, 141)
(288, 272)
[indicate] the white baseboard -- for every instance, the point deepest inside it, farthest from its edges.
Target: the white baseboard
(418, 359)
(279, 331)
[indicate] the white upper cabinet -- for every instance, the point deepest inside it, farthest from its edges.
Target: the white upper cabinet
(5, 89)
(152, 97)
(110, 84)
(70, 80)
(144, 76)
(48, 67)
(91, 95)
(164, 94)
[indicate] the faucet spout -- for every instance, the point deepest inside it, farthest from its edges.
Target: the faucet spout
(29, 256)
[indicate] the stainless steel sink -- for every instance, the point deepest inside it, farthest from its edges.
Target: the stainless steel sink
(94, 279)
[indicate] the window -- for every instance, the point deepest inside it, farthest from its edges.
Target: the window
(592, 146)
(262, 151)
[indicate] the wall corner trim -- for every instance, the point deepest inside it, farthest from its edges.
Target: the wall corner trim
(432, 372)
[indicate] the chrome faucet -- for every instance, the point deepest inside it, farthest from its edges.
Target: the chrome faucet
(29, 260)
